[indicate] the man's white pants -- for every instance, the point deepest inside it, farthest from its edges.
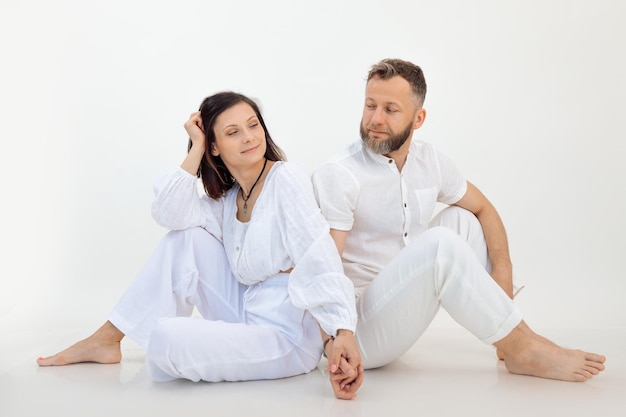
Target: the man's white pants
(245, 332)
(439, 268)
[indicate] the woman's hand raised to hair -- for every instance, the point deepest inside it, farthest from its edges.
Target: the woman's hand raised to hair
(194, 129)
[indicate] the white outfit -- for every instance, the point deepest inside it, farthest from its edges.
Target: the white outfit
(258, 323)
(382, 208)
(402, 270)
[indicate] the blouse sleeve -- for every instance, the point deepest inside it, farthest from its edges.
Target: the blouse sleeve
(317, 282)
(178, 205)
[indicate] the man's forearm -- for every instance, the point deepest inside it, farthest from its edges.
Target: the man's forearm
(497, 248)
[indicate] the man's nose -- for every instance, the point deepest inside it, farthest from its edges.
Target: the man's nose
(378, 116)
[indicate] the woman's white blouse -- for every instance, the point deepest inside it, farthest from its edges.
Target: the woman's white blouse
(286, 230)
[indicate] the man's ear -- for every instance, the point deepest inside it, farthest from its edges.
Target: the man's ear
(418, 120)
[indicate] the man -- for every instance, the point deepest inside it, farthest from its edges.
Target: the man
(379, 196)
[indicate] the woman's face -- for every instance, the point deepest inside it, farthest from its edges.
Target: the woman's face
(239, 137)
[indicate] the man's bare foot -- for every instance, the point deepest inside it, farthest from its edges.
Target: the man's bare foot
(102, 347)
(527, 355)
(524, 328)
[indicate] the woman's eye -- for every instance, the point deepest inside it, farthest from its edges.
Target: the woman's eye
(232, 132)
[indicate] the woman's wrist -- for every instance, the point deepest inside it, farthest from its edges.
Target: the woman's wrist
(339, 333)
(326, 342)
(330, 338)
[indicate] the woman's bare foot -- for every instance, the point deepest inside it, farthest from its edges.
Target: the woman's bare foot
(527, 355)
(499, 354)
(103, 347)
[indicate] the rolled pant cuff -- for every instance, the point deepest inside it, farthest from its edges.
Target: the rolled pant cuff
(514, 319)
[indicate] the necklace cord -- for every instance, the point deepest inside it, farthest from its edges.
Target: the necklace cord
(246, 197)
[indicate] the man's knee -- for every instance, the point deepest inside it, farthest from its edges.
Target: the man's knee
(455, 218)
(465, 223)
(433, 240)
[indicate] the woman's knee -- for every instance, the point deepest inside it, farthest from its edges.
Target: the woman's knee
(192, 243)
(194, 235)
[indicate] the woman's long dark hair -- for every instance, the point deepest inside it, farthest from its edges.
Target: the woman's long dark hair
(216, 178)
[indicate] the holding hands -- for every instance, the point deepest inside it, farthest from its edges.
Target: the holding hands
(344, 364)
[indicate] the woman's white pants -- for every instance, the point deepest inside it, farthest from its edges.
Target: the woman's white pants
(245, 332)
(440, 268)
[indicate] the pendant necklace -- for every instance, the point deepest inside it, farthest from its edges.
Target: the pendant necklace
(246, 197)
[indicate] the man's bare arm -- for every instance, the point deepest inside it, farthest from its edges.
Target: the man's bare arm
(495, 235)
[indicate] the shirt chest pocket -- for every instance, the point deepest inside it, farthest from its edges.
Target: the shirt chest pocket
(426, 201)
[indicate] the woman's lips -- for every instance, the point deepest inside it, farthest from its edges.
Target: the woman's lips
(251, 149)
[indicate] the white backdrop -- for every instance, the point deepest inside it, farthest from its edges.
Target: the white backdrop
(526, 96)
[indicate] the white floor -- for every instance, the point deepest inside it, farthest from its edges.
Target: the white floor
(446, 373)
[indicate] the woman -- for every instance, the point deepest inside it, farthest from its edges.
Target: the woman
(254, 256)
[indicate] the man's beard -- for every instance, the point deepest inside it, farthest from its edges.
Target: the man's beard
(384, 147)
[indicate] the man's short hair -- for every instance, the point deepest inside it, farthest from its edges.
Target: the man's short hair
(389, 68)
